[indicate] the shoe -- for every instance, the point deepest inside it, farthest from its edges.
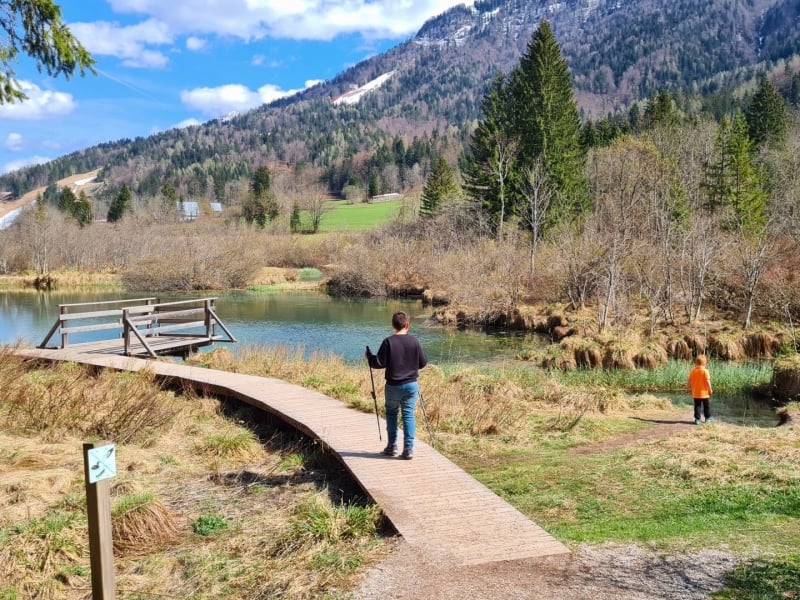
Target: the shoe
(710, 420)
(697, 421)
(390, 450)
(407, 454)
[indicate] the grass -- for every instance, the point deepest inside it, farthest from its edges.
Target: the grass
(727, 377)
(763, 580)
(566, 455)
(224, 522)
(358, 217)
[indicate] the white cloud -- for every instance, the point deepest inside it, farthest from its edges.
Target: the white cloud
(195, 43)
(130, 43)
(234, 97)
(298, 19)
(258, 60)
(14, 142)
(24, 162)
(41, 104)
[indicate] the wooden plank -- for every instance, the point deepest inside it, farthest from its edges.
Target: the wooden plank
(157, 330)
(131, 301)
(167, 315)
(83, 328)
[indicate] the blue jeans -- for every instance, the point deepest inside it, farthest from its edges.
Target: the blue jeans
(401, 398)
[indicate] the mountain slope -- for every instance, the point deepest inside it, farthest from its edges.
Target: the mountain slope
(618, 51)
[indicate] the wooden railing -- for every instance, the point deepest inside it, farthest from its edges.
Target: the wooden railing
(142, 319)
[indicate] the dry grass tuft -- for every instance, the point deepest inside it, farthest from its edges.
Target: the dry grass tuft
(651, 356)
(679, 349)
(240, 445)
(472, 402)
(68, 398)
(726, 346)
(618, 355)
(141, 523)
(760, 346)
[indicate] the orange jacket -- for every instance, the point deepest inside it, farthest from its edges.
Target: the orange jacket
(700, 383)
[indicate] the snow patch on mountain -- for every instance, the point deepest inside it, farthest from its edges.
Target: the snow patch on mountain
(355, 95)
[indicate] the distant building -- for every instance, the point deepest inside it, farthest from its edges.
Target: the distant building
(190, 210)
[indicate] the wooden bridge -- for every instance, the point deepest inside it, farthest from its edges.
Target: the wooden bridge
(144, 326)
(442, 512)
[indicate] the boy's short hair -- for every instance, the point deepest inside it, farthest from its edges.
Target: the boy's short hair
(700, 361)
(399, 320)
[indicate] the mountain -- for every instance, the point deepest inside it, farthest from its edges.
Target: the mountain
(427, 91)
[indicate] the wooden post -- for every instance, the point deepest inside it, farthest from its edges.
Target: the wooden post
(62, 310)
(101, 549)
(126, 332)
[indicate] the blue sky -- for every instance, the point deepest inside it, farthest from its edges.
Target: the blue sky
(170, 63)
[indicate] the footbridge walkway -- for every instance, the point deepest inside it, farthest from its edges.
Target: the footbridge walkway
(440, 510)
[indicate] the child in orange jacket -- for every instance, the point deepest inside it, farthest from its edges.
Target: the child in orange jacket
(700, 385)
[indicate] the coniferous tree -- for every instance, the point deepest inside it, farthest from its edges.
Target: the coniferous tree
(546, 121)
(119, 205)
(36, 28)
(294, 218)
(530, 116)
(734, 183)
(261, 207)
(82, 210)
(66, 200)
(660, 110)
(440, 187)
(480, 181)
(767, 116)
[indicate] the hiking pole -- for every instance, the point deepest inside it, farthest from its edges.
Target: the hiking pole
(374, 398)
(427, 423)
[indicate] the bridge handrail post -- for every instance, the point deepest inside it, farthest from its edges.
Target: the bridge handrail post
(62, 310)
(207, 316)
(126, 333)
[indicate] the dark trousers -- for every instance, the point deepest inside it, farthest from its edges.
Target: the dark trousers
(706, 404)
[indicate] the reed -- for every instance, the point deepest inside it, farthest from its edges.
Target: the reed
(671, 377)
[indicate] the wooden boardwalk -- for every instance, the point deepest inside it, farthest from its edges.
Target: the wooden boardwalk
(442, 512)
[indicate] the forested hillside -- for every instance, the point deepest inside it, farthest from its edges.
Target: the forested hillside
(618, 52)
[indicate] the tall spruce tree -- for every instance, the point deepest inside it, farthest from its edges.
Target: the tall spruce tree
(262, 206)
(767, 115)
(119, 205)
(545, 118)
(480, 182)
(440, 187)
(733, 182)
(531, 116)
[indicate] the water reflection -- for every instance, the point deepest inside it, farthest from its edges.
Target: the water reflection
(732, 408)
(309, 322)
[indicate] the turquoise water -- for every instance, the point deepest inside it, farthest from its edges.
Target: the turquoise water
(318, 323)
(307, 321)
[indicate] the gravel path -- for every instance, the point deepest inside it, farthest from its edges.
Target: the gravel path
(606, 572)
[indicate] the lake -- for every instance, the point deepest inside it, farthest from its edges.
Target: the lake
(309, 321)
(314, 322)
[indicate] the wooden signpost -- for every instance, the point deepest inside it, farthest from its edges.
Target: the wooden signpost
(99, 465)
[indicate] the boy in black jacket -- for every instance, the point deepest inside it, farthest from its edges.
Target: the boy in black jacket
(402, 357)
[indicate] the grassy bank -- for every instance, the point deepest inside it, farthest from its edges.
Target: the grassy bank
(64, 280)
(209, 500)
(587, 462)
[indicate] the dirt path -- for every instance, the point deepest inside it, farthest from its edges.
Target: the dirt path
(608, 572)
(605, 572)
(661, 428)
